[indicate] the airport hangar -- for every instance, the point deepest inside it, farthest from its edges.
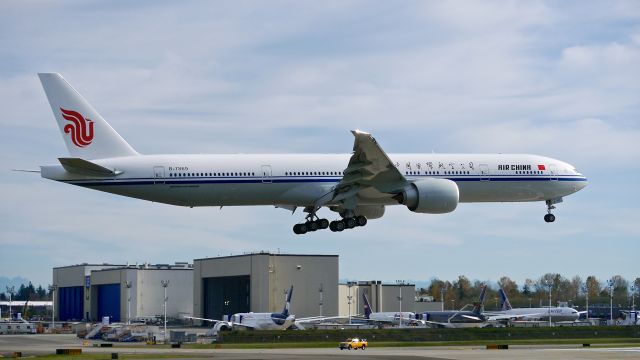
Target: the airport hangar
(218, 286)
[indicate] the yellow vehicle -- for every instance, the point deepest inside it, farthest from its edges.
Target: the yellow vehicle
(354, 344)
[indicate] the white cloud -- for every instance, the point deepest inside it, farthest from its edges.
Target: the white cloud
(234, 77)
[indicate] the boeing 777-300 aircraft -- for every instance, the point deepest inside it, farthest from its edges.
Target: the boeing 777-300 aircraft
(357, 186)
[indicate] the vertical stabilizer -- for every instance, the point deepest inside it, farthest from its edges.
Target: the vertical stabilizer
(287, 304)
(367, 307)
(86, 134)
(479, 306)
(504, 301)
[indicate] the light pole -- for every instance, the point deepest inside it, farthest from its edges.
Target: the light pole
(610, 282)
(10, 290)
(529, 302)
(443, 289)
(549, 284)
(633, 297)
(321, 298)
(128, 285)
(586, 292)
(165, 283)
(349, 297)
(53, 289)
(400, 283)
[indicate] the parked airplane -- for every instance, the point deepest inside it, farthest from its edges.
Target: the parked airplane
(457, 318)
(357, 186)
(255, 321)
(531, 314)
(395, 317)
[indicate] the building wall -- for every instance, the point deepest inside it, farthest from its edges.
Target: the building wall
(75, 276)
(271, 276)
(147, 293)
(422, 306)
(382, 297)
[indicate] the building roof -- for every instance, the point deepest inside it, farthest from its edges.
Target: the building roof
(263, 253)
(86, 264)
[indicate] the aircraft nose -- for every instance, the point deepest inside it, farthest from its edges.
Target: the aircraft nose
(581, 184)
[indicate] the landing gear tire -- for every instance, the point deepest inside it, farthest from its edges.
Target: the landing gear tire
(313, 225)
(300, 229)
(549, 218)
(361, 220)
(350, 222)
(324, 223)
(337, 226)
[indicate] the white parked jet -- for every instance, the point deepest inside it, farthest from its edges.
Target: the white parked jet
(357, 186)
(510, 313)
(254, 320)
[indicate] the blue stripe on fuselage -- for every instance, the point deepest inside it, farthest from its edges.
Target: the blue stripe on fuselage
(297, 179)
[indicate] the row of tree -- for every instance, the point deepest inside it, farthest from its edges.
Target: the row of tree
(574, 291)
(27, 292)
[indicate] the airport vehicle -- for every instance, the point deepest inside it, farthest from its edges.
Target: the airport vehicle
(255, 321)
(386, 316)
(357, 186)
(509, 313)
(628, 317)
(17, 326)
(353, 344)
(456, 318)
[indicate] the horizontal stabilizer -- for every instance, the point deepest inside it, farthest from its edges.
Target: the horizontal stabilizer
(26, 170)
(84, 167)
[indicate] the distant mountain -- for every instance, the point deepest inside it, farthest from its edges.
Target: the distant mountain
(15, 281)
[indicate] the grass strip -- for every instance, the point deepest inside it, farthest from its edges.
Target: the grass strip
(325, 344)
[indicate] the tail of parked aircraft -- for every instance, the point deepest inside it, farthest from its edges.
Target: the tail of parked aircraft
(287, 304)
(478, 307)
(504, 301)
(86, 134)
(367, 307)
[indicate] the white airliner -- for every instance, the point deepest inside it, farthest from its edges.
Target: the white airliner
(357, 186)
(395, 317)
(254, 321)
(509, 313)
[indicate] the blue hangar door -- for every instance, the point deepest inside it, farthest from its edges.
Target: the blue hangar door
(70, 303)
(109, 302)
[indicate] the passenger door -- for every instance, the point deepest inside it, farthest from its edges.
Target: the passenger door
(266, 174)
(158, 174)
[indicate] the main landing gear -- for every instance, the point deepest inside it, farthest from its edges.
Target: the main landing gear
(347, 223)
(335, 226)
(310, 225)
(549, 217)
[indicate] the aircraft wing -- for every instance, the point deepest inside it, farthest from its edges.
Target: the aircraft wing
(202, 319)
(370, 170)
(318, 318)
(218, 321)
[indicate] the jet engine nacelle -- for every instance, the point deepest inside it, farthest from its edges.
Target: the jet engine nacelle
(430, 196)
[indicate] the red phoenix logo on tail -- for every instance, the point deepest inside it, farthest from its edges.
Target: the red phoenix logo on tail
(81, 129)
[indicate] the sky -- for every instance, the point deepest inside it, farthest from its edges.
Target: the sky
(559, 79)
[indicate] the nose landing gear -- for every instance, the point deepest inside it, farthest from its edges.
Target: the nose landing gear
(549, 217)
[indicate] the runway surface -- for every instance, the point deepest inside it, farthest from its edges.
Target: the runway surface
(47, 344)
